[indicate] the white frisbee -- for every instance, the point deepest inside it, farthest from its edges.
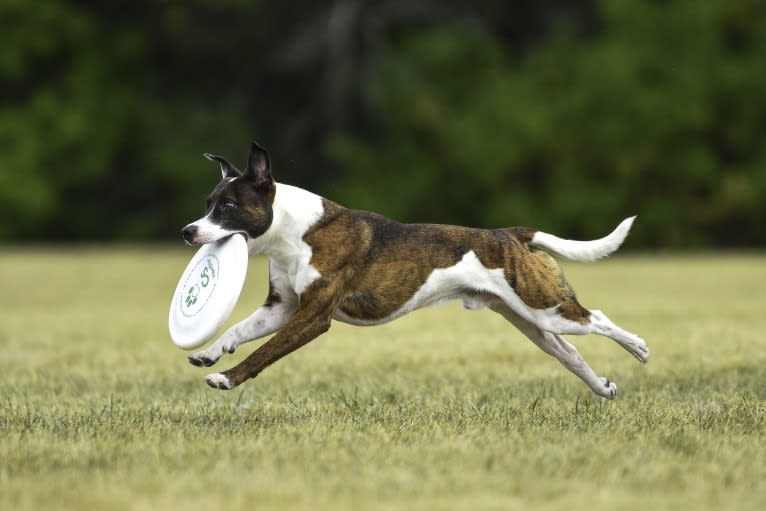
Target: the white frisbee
(208, 291)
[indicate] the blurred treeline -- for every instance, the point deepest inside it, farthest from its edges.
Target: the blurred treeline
(562, 115)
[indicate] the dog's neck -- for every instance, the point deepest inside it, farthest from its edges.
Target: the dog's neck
(294, 211)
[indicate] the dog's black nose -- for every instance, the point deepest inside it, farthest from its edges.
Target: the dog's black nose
(189, 232)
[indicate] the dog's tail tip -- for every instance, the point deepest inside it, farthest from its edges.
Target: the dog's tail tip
(585, 251)
(628, 222)
(620, 232)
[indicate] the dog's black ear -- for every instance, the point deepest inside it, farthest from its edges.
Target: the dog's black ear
(227, 169)
(259, 167)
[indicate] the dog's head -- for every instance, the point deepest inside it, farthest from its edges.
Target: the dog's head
(241, 203)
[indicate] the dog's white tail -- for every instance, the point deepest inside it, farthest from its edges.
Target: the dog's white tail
(583, 250)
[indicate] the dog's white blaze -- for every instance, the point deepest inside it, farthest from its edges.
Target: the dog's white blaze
(295, 210)
(208, 232)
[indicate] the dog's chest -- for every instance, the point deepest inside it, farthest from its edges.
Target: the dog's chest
(295, 211)
(291, 265)
(300, 275)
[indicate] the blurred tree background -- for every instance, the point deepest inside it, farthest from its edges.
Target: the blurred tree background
(562, 115)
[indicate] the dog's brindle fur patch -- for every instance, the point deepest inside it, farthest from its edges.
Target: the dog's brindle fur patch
(385, 272)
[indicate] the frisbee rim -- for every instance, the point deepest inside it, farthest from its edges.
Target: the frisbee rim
(192, 330)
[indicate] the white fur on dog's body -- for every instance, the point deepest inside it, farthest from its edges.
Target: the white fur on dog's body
(295, 211)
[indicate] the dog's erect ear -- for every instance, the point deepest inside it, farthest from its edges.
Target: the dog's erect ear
(227, 169)
(259, 167)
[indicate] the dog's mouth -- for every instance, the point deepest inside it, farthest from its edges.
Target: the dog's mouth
(193, 235)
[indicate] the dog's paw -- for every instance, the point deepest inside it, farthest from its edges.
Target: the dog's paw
(202, 359)
(609, 389)
(642, 351)
(210, 356)
(219, 381)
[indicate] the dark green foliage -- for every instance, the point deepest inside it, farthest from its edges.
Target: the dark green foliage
(661, 113)
(107, 109)
(564, 116)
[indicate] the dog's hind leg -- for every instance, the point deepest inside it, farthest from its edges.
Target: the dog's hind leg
(563, 351)
(570, 318)
(635, 345)
(554, 306)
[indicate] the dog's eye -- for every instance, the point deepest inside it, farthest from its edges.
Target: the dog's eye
(227, 204)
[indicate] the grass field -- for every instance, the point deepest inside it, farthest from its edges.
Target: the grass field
(443, 409)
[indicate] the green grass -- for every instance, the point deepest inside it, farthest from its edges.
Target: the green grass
(442, 409)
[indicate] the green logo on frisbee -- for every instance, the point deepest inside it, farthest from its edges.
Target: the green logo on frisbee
(199, 287)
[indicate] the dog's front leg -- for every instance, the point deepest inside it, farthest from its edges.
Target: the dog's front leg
(264, 321)
(311, 320)
(277, 310)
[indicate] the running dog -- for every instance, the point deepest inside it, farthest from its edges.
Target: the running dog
(328, 262)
